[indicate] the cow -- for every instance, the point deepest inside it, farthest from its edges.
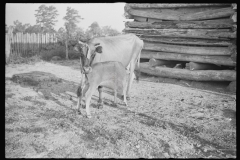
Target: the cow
(109, 74)
(123, 48)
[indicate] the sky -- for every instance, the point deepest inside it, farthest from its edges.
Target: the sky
(110, 14)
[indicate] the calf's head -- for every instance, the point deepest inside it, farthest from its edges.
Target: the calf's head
(87, 54)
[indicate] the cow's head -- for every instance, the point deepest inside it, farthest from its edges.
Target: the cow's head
(87, 54)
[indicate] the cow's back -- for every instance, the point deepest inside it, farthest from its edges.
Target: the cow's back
(121, 48)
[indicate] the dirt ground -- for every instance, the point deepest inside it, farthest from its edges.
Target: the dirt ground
(162, 120)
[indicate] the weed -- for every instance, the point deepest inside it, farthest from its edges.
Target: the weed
(10, 120)
(59, 51)
(39, 148)
(31, 130)
(9, 95)
(35, 102)
(27, 98)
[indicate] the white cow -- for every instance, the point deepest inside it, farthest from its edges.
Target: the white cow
(123, 48)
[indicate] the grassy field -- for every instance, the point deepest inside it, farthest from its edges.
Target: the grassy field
(162, 120)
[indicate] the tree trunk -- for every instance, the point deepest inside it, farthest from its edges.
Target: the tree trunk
(187, 49)
(174, 16)
(174, 5)
(66, 45)
(211, 24)
(190, 33)
(206, 75)
(218, 60)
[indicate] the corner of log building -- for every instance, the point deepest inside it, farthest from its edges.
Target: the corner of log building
(201, 35)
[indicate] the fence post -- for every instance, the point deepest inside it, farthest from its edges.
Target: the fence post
(38, 42)
(16, 49)
(13, 48)
(24, 44)
(7, 48)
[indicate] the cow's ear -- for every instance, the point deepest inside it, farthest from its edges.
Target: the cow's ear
(99, 49)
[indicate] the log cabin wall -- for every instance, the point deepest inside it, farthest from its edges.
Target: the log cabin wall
(195, 42)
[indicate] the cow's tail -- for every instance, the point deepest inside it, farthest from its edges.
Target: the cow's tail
(138, 72)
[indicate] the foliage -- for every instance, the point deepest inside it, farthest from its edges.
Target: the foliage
(46, 17)
(94, 30)
(17, 59)
(108, 31)
(58, 50)
(61, 35)
(71, 18)
(19, 27)
(33, 29)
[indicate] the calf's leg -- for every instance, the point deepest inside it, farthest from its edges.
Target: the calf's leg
(125, 95)
(79, 95)
(88, 97)
(100, 101)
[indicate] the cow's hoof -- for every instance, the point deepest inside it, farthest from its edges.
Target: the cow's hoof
(114, 105)
(100, 105)
(122, 97)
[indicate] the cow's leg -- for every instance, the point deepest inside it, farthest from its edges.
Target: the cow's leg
(100, 101)
(115, 96)
(131, 77)
(125, 94)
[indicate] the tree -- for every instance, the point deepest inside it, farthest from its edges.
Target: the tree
(33, 29)
(108, 31)
(46, 17)
(19, 27)
(71, 18)
(61, 35)
(94, 30)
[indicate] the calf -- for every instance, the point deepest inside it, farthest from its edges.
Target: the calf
(109, 74)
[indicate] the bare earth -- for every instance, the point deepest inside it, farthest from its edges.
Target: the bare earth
(162, 120)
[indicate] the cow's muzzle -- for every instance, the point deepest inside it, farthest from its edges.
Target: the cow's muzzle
(88, 69)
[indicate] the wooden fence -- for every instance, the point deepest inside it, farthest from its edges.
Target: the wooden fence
(26, 44)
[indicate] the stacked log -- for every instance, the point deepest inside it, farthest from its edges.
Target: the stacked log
(186, 41)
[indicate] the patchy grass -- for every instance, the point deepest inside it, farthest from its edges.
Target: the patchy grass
(30, 130)
(16, 59)
(174, 122)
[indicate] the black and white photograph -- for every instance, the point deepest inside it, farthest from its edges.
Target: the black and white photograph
(120, 80)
